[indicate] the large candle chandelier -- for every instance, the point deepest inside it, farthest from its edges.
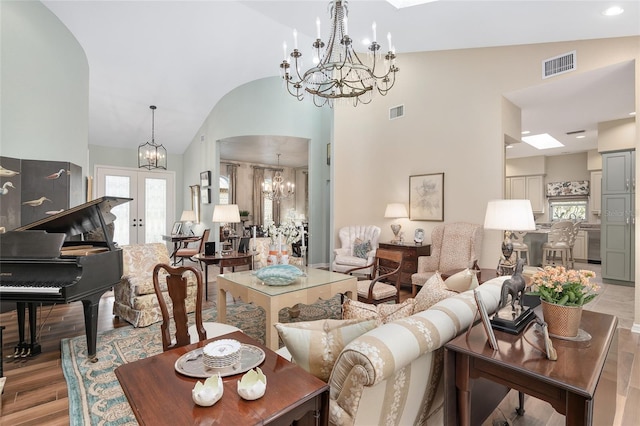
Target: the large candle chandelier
(150, 155)
(339, 73)
(277, 190)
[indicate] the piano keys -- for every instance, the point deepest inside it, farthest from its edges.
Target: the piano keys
(76, 270)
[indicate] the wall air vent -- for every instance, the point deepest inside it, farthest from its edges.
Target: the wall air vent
(396, 112)
(559, 64)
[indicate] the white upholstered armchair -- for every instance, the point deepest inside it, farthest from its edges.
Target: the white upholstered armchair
(348, 256)
(453, 246)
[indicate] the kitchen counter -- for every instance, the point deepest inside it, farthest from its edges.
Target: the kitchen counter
(583, 225)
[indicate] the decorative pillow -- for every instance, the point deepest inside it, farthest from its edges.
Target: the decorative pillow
(278, 274)
(462, 281)
(431, 293)
(360, 248)
(315, 345)
(382, 313)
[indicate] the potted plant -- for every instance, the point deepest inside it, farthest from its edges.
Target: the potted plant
(244, 214)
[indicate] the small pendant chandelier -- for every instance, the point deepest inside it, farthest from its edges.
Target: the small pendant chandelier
(150, 155)
(277, 190)
(338, 72)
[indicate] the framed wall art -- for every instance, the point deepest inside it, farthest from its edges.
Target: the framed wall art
(205, 193)
(205, 178)
(426, 197)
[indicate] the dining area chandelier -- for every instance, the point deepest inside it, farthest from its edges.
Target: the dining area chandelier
(150, 154)
(338, 72)
(277, 190)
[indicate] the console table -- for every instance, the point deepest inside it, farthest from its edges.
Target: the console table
(568, 384)
(411, 252)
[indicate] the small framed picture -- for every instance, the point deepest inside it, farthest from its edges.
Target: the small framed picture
(485, 320)
(177, 227)
(205, 195)
(205, 178)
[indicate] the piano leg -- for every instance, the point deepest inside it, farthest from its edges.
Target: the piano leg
(25, 349)
(90, 306)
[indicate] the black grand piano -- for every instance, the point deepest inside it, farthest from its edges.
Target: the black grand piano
(63, 258)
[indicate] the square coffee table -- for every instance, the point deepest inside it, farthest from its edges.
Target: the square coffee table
(317, 284)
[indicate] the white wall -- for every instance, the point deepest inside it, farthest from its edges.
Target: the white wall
(45, 87)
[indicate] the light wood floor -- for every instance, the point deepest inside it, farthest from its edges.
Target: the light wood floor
(35, 391)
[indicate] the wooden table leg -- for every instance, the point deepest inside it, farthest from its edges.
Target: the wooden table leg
(463, 386)
(579, 410)
(221, 305)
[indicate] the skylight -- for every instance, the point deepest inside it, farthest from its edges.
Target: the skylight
(400, 4)
(542, 141)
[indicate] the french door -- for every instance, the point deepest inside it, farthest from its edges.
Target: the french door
(151, 213)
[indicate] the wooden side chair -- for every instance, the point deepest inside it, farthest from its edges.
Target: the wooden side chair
(187, 252)
(384, 285)
(176, 288)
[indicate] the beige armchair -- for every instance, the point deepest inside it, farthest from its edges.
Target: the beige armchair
(453, 246)
(346, 257)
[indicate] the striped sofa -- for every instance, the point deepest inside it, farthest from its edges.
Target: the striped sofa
(393, 374)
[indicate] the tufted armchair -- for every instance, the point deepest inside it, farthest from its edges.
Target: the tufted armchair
(345, 256)
(453, 246)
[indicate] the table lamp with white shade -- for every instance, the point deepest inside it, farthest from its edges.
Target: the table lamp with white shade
(226, 214)
(396, 211)
(509, 216)
(188, 217)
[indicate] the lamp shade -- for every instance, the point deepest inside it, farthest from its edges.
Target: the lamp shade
(226, 213)
(395, 211)
(511, 215)
(188, 216)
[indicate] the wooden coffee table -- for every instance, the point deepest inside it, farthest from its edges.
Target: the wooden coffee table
(159, 395)
(568, 384)
(317, 284)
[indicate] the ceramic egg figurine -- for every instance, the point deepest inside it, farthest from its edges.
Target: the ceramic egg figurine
(252, 384)
(208, 393)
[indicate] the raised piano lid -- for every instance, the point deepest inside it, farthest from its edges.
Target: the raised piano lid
(87, 217)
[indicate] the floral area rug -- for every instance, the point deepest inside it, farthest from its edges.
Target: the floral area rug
(95, 395)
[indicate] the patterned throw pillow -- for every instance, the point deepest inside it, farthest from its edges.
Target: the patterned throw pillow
(431, 293)
(315, 345)
(462, 281)
(382, 313)
(360, 248)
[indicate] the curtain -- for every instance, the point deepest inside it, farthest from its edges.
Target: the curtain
(232, 174)
(258, 201)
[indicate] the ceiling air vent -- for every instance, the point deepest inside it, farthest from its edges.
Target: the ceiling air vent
(396, 112)
(559, 64)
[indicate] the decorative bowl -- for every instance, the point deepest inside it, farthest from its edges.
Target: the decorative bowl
(252, 385)
(221, 353)
(279, 274)
(208, 393)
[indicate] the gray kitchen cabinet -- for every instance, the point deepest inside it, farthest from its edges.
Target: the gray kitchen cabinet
(618, 221)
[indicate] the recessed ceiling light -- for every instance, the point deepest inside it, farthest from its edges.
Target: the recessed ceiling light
(509, 146)
(542, 141)
(632, 114)
(580, 137)
(399, 4)
(613, 11)
(525, 132)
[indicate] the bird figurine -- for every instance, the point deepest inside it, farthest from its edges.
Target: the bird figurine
(52, 212)
(5, 188)
(37, 202)
(7, 173)
(56, 175)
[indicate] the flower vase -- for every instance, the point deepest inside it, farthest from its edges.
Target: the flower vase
(562, 321)
(272, 258)
(284, 255)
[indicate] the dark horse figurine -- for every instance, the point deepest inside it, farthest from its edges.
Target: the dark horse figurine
(514, 286)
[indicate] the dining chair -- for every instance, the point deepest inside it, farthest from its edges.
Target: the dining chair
(187, 252)
(384, 285)
(176, 288)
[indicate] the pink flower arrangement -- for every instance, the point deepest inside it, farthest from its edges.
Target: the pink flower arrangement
(564, 287)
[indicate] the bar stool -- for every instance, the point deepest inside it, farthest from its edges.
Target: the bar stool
(558, 244)
(519, 246)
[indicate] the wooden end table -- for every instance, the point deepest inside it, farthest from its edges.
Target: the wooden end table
(223, 261)
(159, 395)
(568, 384)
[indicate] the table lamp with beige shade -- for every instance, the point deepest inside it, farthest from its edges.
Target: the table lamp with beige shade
(226, 214)
(509, 216)
(188, 217)
(396, 211)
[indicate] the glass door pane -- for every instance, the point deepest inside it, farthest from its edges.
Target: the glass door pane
(155, 217)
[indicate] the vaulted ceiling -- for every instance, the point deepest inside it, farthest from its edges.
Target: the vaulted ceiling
(184, 56)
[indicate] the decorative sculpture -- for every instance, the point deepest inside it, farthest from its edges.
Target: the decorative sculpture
(513, 287)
